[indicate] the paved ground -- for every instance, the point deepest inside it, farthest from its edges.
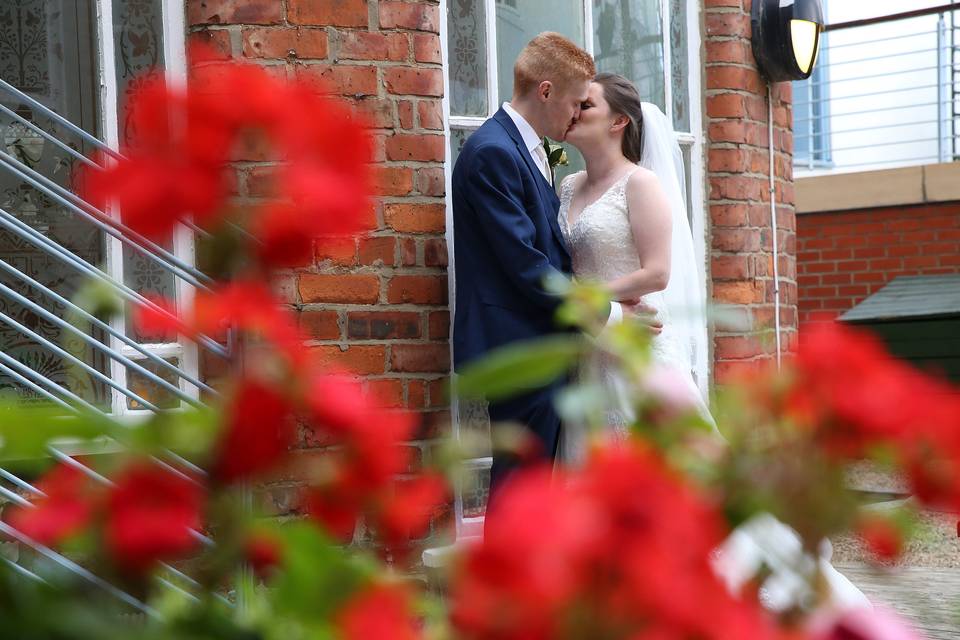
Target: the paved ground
(929, 597)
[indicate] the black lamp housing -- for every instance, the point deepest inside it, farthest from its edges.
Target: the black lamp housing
(786, 37)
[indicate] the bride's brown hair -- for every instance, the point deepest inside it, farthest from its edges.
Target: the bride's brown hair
(624, 100)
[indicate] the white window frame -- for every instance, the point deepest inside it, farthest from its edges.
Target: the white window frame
(693, 139)
(175, 70)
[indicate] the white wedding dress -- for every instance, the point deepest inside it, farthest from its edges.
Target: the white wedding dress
(600, 242)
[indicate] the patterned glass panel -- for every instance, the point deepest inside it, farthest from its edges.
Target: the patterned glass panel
(518, 21)
(138, 51)
(151, 391)
(476, 490)
(679, 65)
(467, 47)
(458, 137)
(474, 421)
(628, 39)
(47, 50)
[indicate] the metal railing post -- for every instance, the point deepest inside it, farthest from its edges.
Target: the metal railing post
(943, 141)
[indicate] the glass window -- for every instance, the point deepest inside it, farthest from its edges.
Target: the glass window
(467, 38)
(679, 65)
(518, 21)
(628, 39)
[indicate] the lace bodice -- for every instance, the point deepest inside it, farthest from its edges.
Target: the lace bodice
(600, 239)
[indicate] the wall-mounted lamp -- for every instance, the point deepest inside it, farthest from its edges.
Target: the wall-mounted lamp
(786, 37)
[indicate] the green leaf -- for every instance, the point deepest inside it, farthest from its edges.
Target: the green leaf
(516, 368)
(556, 156)
(317, 576)
(26, 429)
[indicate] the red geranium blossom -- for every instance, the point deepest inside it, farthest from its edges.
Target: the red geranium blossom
(619, 549)
(369, 456)
(381, 612)
(264, 552)
(150, 515)
(65, 509)
(258, 432)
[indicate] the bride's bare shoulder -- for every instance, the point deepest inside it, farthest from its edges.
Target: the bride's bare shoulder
(641, 177)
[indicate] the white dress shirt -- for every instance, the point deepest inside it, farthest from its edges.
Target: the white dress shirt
(531, 139)
(535, 148)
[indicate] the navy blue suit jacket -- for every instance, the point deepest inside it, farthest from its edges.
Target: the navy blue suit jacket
(506, 240)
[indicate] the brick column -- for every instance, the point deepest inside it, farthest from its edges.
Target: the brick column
(377, 305)
(737, 172)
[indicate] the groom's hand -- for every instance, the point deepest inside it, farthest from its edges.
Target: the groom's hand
(643, 312)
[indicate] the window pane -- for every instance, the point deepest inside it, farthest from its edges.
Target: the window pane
(628, 39)
(467, 47)
(149, 390)
(138, 49)
(458, 137)
(519, 21)
(49, 52)
(679, 65)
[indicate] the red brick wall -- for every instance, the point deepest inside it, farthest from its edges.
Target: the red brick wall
(378, 305)
(741, 240)
(843, 257)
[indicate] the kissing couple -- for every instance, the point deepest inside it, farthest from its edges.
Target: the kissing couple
(623, 223)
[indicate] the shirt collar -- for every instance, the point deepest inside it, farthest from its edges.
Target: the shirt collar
(530, 137)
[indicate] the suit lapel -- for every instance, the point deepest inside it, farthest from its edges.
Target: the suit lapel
(548, 194)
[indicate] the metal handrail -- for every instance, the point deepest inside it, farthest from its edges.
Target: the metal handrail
(59, 119)
(893, 17)
(105, 223)
(9, 221)
(100, 324)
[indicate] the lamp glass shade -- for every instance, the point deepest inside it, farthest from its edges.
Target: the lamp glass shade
(803, 34)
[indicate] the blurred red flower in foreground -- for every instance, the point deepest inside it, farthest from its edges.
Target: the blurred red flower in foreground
(365, 466)
(175, 167)
(619, 549)
(853, 396)
(258, 432)
(66, 507)
(381, 612)
(150, 513)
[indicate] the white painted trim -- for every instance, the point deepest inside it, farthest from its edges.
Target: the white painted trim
(493, 73)
(466, 122)
(451, 257)
(667, 45)
(175, 68)
(588, 26)
(174, 57)
(698, 169)
(109, 115)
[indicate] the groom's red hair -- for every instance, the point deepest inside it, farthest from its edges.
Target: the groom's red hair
(551, 57)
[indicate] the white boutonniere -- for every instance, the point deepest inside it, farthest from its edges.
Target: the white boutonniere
(556, 155)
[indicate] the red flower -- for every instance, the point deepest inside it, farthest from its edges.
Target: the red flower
(150, 515)
(381, 612)
(882, 537)
(65, 509)
(252, 308)
(855, 395)
(407, 510)
(258, 432)
(335, 506)
(264, 553)
(618, 549)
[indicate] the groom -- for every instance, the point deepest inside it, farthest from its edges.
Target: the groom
(506, 236)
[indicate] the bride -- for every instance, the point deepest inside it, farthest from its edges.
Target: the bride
(625, 223)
